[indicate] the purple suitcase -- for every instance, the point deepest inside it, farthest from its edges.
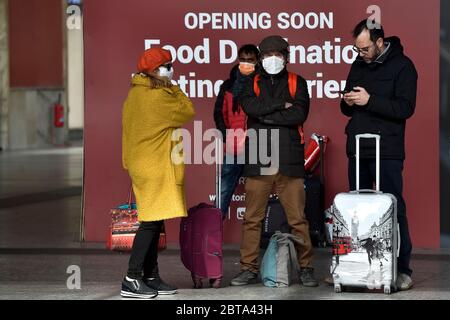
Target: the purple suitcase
(201, 236)
(201, 244)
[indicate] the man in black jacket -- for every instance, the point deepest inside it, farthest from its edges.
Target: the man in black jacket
(274, 125)
(382, 84)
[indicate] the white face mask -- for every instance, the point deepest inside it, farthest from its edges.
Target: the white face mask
(163, 72)
(273, 64)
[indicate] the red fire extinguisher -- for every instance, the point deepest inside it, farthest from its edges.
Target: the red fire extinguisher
(58, 114)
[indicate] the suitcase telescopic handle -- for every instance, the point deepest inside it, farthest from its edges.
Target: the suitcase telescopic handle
(130, 196)
(219, 160)
(377, 140)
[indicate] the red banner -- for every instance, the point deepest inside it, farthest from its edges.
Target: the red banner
(204, 37)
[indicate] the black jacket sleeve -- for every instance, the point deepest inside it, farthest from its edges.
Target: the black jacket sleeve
(295, 115)
(345, 108)
(402, 106)
(218, 108)
(254, 106)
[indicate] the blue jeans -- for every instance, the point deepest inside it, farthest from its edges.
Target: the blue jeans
(229, 180)
(391, 181)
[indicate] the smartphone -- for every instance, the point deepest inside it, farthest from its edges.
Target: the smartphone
(347, 91)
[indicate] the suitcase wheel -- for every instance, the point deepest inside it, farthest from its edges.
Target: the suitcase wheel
(387, 289)
(215, 283)
(337, 288)
(198, 284)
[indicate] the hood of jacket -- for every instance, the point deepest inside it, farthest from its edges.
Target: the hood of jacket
(140, 80)
(394, 49)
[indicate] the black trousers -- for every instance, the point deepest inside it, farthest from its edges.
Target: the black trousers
(391, 181)
(144, 255)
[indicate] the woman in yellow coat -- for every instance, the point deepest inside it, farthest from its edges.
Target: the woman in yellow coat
(152, 112)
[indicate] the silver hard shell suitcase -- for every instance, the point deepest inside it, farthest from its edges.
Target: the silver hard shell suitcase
(365, 235)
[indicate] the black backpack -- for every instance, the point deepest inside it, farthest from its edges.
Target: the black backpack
(274, 220)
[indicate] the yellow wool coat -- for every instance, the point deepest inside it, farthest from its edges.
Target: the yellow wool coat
(149, 119)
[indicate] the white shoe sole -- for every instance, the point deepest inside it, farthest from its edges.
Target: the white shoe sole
(127, 294)
(406, 288)
(167, 292)
(239, 284)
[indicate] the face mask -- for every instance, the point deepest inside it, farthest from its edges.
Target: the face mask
(273, 64)
(246, 68)
(163, 72)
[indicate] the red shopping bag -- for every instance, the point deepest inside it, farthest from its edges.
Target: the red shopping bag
(124, 225)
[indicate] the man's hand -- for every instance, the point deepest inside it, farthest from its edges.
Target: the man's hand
(358, 96)
(348, 100)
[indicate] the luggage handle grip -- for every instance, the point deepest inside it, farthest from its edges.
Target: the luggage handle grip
(377, 138)
(365, 191)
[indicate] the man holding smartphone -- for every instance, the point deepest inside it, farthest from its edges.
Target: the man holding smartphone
(381, 96)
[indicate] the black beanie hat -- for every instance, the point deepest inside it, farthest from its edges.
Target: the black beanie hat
(273, 43)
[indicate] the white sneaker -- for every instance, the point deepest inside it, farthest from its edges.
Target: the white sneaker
(404, 282)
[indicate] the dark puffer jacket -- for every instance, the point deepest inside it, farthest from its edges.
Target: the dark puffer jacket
(391, 81)
(267, 111)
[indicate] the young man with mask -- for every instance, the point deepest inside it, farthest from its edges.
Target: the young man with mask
(382, 84)
(231, 120)
(274, 112)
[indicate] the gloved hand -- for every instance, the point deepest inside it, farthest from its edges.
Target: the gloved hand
(238, 85)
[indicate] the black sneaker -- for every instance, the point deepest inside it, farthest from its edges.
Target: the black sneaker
(136, 288)
(244, 277)
(307, 277)
(160, 286)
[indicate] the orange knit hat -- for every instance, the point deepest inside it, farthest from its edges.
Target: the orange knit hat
(152, 59)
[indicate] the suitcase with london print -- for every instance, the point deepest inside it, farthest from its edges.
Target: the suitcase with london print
(365, 235)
